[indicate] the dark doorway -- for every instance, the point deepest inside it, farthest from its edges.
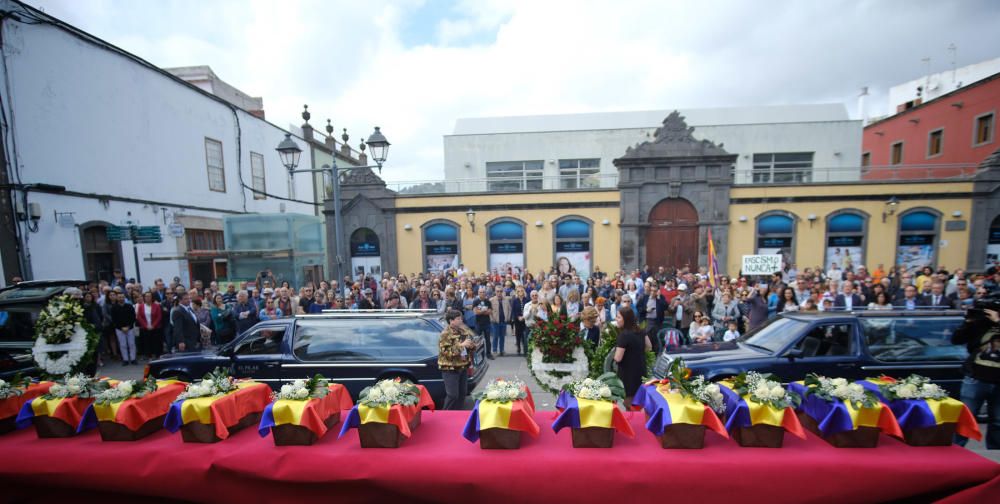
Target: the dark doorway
(100, 256)
(202, 270)
(672, 236)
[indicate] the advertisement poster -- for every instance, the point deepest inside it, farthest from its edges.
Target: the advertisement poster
(371, 266)
(507, 258)
(915, 251)
(441, 258)
(845, 252)
(573, 257)
(993, 248)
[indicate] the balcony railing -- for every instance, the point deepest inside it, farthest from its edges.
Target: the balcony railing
(740, 177)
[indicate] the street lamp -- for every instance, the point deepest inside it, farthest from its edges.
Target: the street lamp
(890, 207)
(289, 153)
(471, 215)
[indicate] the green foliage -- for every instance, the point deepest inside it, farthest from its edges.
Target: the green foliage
(606, 387)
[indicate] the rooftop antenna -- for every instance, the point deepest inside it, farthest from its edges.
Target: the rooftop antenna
(927, 72)
(953, 49)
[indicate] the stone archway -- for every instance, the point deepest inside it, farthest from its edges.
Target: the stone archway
(672, 236)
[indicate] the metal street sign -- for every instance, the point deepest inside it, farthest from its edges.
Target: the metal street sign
(119, 233)
(147, 234)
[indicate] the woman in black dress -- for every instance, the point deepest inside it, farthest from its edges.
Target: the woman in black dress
(630, 353)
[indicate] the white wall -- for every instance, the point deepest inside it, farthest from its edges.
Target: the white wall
(941, 83)
(825, 139)
(100, 123)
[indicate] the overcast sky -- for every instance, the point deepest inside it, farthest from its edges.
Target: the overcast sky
(413, 67)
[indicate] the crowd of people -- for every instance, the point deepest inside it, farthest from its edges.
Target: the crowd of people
(137, 322)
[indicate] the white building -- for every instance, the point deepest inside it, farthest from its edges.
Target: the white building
(775, 143)
(923, 89)
(129, 142)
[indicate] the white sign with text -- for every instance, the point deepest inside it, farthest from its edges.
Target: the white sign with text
(761, 264)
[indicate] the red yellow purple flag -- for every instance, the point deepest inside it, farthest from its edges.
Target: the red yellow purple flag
(713, 263)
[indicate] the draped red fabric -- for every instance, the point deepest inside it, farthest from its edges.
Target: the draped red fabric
(438, 465)
(10, 406)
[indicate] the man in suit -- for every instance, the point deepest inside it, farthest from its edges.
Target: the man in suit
(847, 300)
(186, 331)
(936, 298)
(910, 300)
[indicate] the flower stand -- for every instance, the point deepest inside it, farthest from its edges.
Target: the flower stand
(593, 437)
(302, 422)
(862, 437)
(683, 436)
(938, 435)
(212, 419)
(497, 438)
(196, 432)
(759, 436)
(114, 431)
(385, 435)
(10, 406)
(297, 435)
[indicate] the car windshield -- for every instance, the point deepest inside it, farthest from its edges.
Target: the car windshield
(31, 292)
(775, 334)
(18, 323)
(365, 340)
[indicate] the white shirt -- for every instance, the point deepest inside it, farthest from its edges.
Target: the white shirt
(148, 310)
(730, 335)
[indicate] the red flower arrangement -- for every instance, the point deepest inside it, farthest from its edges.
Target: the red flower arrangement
(556, 339)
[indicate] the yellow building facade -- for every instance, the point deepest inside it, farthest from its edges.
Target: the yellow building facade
(880, 208)
(537, 213)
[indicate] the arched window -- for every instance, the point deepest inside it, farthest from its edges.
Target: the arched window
(441, 246)
(505, 238)
(572, 246)
(918, 233)
(845, 239)
(776, 235)
(366, 256)
(993, 244)
(100, 255)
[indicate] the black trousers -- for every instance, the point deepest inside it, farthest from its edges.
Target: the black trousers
(485, 331)
(456, 387)
(519, 330)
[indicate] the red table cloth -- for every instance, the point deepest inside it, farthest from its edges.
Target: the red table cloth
(439, 465)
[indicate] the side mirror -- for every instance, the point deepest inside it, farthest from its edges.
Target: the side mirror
(794, 353)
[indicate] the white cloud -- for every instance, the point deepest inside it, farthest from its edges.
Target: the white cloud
(348, 61)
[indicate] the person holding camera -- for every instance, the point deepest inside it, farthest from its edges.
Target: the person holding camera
(981, 334)
(454, 355)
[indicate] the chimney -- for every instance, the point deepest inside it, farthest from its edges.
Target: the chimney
(862, 112)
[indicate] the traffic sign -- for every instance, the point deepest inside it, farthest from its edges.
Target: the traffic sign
(147, 234)
(119, 233)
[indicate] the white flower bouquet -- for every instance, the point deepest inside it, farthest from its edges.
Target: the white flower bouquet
(911, 387)
(502, 391)
(696, 388)
(78, 385)
(764, 389)
(390, 392)
(216, 383)
(831, 389)
(607, 387)
(15, 387)
(126, 390)
(316, 387)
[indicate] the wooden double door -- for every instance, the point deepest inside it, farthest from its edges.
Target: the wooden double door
(672, 235)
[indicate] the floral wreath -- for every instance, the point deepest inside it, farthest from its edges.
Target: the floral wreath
(65, 343)
(557, 356)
